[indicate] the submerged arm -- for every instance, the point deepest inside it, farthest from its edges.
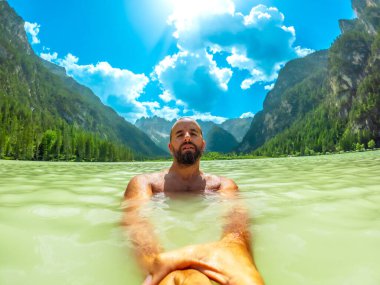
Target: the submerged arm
(228, 261)
(139, 229)
(236, 224)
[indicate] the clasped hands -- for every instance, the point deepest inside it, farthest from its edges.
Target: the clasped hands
(227, 262)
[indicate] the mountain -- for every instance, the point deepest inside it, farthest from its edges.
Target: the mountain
(328, 101)
(298, 89)
(237, 127)
(158, 129)
(220, 140)
(47, 115)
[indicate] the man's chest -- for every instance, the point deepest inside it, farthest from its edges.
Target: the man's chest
(198, 186)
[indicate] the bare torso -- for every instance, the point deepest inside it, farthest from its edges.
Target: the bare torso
(169, 182)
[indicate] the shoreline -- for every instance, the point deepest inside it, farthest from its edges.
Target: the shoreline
(218, 156)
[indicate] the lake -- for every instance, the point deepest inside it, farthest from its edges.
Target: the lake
(315, 220)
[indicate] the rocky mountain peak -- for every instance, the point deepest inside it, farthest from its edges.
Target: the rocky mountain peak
(361, 5)
(12, 26)
(368, 15)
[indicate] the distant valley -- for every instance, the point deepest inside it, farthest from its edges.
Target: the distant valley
(328, 101)
(223, 137)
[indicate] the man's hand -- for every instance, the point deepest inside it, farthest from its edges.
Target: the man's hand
(186, 277)
(227, 262)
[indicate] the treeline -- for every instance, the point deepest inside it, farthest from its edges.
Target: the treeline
(212, 155)
(32, 134)
(320, 134)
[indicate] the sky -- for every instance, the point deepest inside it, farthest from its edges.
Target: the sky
(209, 59)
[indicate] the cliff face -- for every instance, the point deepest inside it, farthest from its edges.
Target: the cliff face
(299, 89)
(354, 70)
(330, 103)
(12, 27)
(368, 14)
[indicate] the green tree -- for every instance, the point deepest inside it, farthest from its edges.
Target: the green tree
(371, 144)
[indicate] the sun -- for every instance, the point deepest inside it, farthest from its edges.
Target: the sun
(190, 9)
(186, 12)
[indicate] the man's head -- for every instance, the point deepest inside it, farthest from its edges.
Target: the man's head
(186, 141)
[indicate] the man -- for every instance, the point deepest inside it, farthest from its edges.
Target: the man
(227, 261)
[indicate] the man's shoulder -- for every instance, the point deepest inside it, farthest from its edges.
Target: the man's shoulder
(224, 183)
(148, 177)
(141, 185)
(228, 183)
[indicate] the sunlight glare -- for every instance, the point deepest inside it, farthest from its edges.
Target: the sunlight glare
(184, 11)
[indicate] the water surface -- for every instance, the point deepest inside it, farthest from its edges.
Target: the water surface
(315, 220)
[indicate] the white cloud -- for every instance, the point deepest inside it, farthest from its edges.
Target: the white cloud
(247, 115)
(269, 87)
(131, 111)
(247, 83)
(49, 56)
(208, 117)
(193, 78)
(259, 42)
(180, 103)
(186, 13)
(302, 52)
(223, 75)
(261, 15)
(166, 96)
(151, 105)
(117, 87)
(106, 80)
(33, 30)
(239, 60)
(166, 113)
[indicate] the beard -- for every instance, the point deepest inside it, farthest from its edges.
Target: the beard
(187, 157)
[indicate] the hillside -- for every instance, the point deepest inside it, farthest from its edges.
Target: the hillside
(237, 127)
(328, 101)
(219, 140)
(46, 115)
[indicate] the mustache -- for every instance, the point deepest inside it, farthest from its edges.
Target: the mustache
(188, 143)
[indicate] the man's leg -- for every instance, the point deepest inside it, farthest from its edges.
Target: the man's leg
(186, 277)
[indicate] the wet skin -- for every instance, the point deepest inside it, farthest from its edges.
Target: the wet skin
(227, 261)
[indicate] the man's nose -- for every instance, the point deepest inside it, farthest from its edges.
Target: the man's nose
(187, 137)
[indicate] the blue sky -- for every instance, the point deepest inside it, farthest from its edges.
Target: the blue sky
(211, 59)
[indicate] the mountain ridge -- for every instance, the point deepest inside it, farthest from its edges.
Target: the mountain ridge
(159, 129)
(336, 107)
(60, 108)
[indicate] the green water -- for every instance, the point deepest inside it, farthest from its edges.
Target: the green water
(315, 220)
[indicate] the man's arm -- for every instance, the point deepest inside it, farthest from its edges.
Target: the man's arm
(236, 225)
(140, 231)
(228, 261)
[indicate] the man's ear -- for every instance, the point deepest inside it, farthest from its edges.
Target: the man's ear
(170, 147)
(203, 145)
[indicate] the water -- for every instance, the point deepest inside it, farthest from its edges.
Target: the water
(315, 220)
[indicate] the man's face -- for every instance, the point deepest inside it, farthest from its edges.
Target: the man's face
(186, 142)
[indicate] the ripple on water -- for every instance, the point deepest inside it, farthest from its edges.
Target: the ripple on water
(315, 220)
